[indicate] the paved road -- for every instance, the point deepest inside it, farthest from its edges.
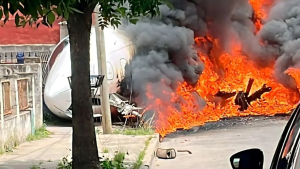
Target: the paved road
(212, 148)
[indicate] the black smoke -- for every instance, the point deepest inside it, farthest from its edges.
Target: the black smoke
(281, 32)
(166, 51)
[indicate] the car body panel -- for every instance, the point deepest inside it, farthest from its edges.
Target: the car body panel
(282, 145)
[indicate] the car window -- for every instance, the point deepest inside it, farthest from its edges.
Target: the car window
(289, 145)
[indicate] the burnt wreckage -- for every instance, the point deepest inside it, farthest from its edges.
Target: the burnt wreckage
(242, 98)
(123, 104)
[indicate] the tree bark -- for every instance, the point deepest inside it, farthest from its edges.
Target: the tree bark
(84, 147)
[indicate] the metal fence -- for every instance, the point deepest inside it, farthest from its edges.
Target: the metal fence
(45, 56)
(10, 58)
(6, 98)
(23, 94)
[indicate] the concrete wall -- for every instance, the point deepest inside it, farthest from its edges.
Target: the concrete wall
(15, 130)
(16, 127)
(25, 48)
(26, 71)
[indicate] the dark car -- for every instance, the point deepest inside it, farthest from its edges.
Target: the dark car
(287, 154)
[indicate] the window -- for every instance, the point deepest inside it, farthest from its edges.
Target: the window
(110, 71)
(23, 94)
(123, 63)
(6, 98)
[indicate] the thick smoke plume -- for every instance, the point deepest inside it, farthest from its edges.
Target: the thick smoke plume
(282, 32)
(166, 52)
(164, 55)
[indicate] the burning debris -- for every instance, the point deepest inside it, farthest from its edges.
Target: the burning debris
(242, 98)
(200, 62)
(123, 106)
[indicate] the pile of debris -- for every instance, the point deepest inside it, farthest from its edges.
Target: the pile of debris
(242, 98)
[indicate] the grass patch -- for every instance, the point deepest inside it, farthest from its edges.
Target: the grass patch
(105, 150)
(35, 167)
(135, 131)
(39, 134)
(115, 163)
(9, 145)
(140, 159)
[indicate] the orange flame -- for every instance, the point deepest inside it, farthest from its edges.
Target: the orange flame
(182, 109)
(261, 9)
(237, 71)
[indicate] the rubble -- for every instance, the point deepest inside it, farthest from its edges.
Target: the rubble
(242, 98)
(123, 106)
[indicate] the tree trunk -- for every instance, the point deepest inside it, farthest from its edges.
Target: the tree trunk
(84, 147)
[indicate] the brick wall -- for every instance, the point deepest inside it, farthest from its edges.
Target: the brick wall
(11, 35)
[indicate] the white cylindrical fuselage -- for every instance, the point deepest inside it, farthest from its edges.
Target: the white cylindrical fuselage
(57, 92)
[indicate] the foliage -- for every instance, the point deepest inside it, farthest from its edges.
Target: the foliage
(105, 150)
(46, 11)
(39, 134)
(13, 142)
(65, 164)
(115, 163)
(135, 131)
(36, 166)
(144, 127)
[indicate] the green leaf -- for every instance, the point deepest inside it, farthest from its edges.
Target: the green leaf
(23, 23)
(66, 14)
(168, 4)
(75, 10)
(6, 13)
(51, 18)
(70, 11)
(133, 20)
(33, 12)
(40, 10)
(17, 20)
(59, 12)
(21, 9)
(45, 11)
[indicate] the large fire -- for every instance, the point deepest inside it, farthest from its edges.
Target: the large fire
(261, 9)
(236, 72)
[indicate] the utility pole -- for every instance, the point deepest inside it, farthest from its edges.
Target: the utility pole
(102, 70)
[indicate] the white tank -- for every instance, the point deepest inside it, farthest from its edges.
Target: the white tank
(57, 92)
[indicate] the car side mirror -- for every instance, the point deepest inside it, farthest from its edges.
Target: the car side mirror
(247, 159)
